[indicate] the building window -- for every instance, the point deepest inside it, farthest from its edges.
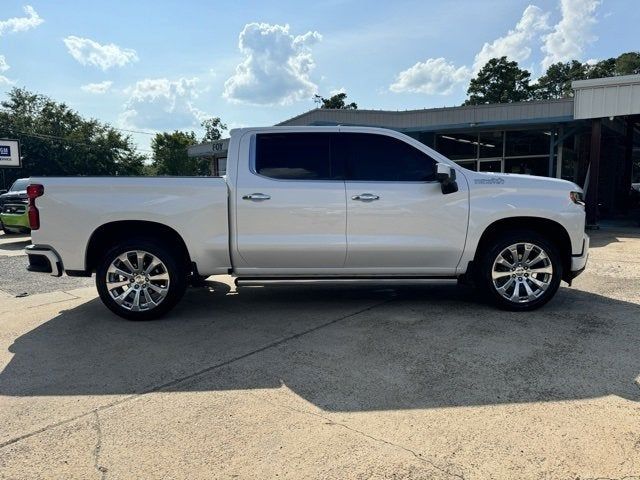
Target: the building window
(491, 144)
(458, 146)
(528, 166)
(527, 143)
(491, 165)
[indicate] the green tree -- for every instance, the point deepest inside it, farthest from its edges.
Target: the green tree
(213, 129)
(556, 82)
(338, 102)
(170, 155)
(499, 81)
(56, 140)
(628, 63)
(604, 68)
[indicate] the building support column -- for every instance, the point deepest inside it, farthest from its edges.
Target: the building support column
(560, 146)
(594, 171)
(627, 170)
(552, 146)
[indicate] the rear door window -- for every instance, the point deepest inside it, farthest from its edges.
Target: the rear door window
(296, 156)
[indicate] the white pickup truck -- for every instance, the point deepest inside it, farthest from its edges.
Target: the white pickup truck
(311, 203)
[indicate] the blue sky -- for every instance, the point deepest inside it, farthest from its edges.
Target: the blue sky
(165, 65)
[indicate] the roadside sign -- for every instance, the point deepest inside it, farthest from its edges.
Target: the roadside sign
(10, 154)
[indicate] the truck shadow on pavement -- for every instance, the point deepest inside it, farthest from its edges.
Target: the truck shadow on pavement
(342, 349)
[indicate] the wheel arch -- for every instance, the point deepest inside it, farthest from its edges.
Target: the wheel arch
(109, 234)
(549, 229)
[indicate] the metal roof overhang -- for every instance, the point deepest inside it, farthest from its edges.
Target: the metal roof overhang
(517, 114)
(607, 97)
(498, 124)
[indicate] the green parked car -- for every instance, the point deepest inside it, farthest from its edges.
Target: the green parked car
(14, 218)
(13, 208)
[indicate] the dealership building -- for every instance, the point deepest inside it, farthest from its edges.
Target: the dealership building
(592, 139)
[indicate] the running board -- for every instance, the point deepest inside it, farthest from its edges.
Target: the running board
(248, 281)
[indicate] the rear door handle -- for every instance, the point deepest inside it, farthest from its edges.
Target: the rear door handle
(366, 197)
(256, 196)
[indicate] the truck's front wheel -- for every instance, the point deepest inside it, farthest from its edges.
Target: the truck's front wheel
(140, 280)
(521, 271)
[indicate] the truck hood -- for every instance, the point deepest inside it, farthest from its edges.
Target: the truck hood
(515, 180)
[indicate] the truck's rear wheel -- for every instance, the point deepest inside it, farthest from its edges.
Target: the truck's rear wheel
(521, 271)
(140, 280)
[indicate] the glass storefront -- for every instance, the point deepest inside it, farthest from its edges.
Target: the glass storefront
(458, 146)
(510, 151)
(491, 144)
(527, 143)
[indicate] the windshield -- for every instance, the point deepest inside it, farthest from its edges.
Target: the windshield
(20, 184)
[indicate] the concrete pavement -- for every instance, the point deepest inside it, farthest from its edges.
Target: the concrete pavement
(14, 280)
(329, 382)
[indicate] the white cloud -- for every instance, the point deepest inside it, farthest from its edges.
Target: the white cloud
(13, 25)
(4, 66)
(21, 24)
(89, 52)
(160, 103)
(276, 66)
(97, 88)
(440, 76)
(572, 33)
(434, 76)
(516, 43)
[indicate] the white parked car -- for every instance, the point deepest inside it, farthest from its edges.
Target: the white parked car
(312, 203)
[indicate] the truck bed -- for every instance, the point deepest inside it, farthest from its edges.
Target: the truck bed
(73, 208)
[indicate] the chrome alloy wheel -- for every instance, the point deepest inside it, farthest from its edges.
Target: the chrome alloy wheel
(137, 280)
(522, 272)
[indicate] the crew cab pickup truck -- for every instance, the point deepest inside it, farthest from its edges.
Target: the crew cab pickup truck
(311, 203)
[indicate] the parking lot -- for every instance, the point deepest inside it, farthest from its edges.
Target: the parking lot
(323, 382)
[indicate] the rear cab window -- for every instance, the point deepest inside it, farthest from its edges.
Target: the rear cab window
(296, 156)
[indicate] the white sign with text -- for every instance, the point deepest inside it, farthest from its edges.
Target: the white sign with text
(9, 153)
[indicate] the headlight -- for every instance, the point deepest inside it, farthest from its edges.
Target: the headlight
(576, 197)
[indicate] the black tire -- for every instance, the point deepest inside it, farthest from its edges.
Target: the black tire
(175, 268)
(486, 267)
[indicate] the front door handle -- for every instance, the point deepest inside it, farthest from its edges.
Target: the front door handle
(256, 196)
(365, 197)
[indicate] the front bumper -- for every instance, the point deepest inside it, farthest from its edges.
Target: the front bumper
(579, 261)
(44, 260)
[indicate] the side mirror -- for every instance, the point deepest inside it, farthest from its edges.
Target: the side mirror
(447, 178)
(2, 191)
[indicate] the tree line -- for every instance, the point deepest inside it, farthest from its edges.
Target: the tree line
(57, 140)
(503, 81)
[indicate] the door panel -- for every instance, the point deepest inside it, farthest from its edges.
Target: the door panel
(411, 226)
(398, 219)
(302, 223)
